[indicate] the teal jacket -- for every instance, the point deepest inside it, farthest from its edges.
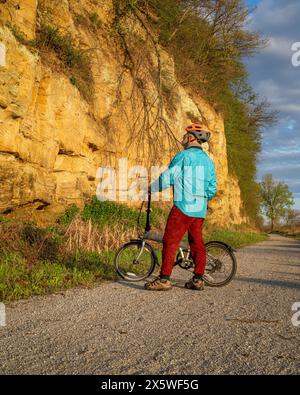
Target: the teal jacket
(193, 177)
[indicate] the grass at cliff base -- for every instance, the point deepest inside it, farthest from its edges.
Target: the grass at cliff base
(79, 249)
(236, 238)
(19, 281)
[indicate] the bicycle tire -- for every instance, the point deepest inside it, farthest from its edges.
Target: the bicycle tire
(133, 276)
(230, 253)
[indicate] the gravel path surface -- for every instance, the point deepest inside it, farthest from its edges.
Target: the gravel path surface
(119, 328)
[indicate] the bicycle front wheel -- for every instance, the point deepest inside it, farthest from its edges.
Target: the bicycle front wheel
(220, 264)
(135, 262)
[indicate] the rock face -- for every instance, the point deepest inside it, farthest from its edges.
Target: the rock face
(52, 140)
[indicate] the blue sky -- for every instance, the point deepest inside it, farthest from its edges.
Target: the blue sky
(252, 2)
(273, 77)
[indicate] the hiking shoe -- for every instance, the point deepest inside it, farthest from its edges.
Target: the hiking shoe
(198, 285)
(158, 285)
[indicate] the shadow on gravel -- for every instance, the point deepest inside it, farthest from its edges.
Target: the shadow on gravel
(289, 245)
(284, 264)
(289, 273)
(178, 283)
(137, 285)
(272, 251)
(276, 283)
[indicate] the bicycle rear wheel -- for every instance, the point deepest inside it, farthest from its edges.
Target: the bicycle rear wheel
(134, 264)
(220, 264)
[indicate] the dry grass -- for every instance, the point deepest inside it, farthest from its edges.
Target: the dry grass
(10, 235)
(85, 236)
(31, 242)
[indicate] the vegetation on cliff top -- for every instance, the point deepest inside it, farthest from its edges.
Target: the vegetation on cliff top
(74, 62)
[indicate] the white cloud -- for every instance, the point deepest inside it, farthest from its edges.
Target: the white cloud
(289, 107)
(291, 124)
(275, 14)
(281, 98)
(297, 201)
(281, 165)
(281, 47)
(282, 155)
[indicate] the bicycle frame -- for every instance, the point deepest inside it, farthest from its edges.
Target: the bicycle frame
(147, 235)
(183, 249)
(183, 257)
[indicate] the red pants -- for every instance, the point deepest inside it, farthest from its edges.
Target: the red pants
(178, 223)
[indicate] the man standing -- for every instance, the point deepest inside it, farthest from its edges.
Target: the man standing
(193, 177)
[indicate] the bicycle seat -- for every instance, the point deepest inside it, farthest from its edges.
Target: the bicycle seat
(158, 237)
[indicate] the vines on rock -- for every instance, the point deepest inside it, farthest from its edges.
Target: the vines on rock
(150, 131)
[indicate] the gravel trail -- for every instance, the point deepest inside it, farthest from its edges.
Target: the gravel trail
(119, 328)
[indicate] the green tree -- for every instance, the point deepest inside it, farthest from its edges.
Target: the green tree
(276, 197)
(244, 116)
(292, 218)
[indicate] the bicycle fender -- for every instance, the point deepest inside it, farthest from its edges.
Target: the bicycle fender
(229, 247)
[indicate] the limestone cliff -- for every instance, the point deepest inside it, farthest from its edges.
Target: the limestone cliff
(53, 137)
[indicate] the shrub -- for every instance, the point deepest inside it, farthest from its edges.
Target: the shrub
(32, 243)
(32, 234)
(105, 213)
(76, 60)
(21, 37)
(94, 19)
(79, 19)
(69, 215)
